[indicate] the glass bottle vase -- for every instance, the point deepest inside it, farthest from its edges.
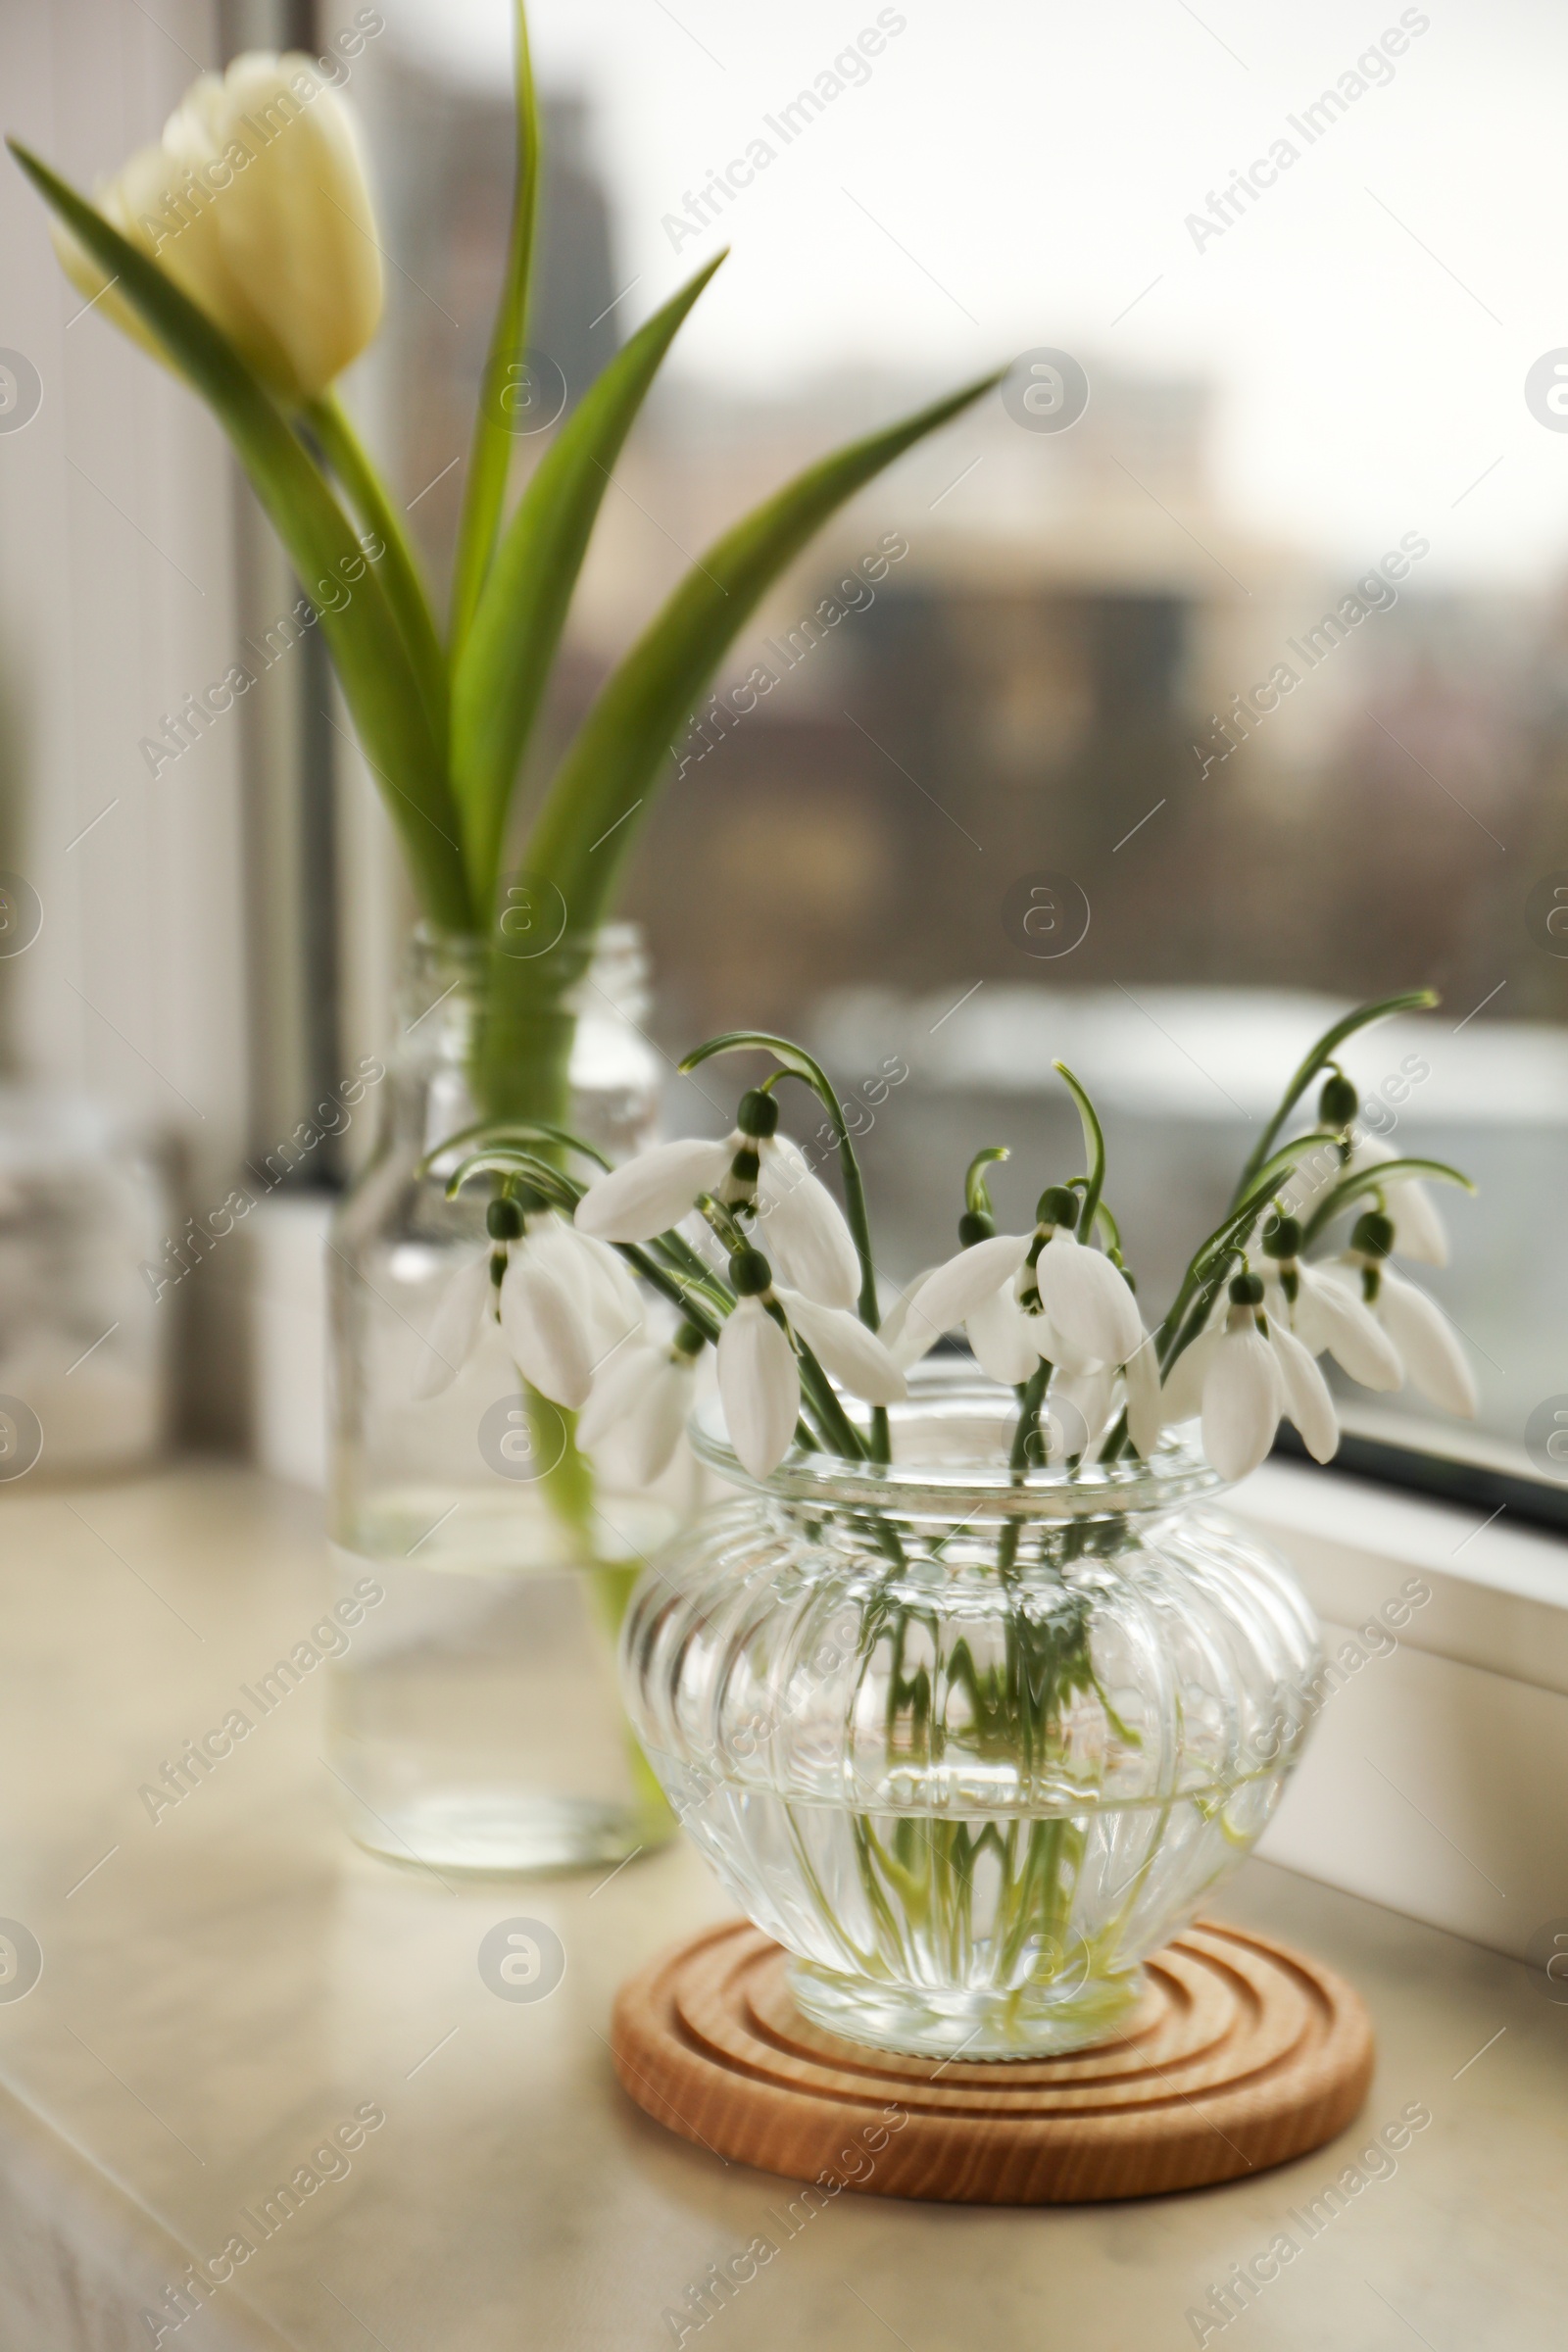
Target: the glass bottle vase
(970, 1744)
(483, 1571)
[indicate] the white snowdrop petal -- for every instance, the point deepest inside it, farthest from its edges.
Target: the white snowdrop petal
(652, 1191)
(1087, 1299)
(659, 1422)
(1053, 1344)
(758, 1386)
(544, 1326)
(894, 1319)
(617, 1392)
(1182, 1392)
(854, 1356)
(610, 1304)
(801, 1228)
(1425, 1338)
(1080, 1403)
(1242, 1393)
(1146, 1410)
(617, 1302)
(1330, 1316)
(949, 1295)
(1004, 1340)
(453, 1329)
(1309, 1402)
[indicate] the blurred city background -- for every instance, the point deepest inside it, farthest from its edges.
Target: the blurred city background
(1254, 673)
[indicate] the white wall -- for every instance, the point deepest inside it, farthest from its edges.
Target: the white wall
(115, 599)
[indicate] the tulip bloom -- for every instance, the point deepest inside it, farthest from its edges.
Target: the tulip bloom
(256, 202)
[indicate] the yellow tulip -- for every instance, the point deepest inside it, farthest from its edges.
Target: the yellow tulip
(256, 202)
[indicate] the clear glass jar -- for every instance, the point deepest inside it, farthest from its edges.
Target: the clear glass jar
(474, 1723)
(971, 1778)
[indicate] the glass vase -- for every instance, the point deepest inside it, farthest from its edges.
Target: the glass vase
(483, 1571)
(971, 1745)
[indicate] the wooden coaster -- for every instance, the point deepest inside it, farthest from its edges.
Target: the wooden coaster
(1241, 2055)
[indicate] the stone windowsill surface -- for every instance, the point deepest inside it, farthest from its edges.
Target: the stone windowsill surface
(222, 1989)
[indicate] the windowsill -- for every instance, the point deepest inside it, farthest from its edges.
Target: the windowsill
(1499, 1594)
(1439, 1739)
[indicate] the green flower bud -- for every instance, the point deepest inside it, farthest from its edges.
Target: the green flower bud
(1372, 1234)
(1058, 1205)
(975, 1226)
(503, 1220)
(757, 1113)
(1246, 1291)
(1336, 1104)
(689, 1341)
(1284, 1238)
(750, 1274)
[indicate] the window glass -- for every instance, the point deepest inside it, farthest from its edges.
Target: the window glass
(1209, 678)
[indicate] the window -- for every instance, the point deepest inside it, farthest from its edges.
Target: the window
(1235, 628)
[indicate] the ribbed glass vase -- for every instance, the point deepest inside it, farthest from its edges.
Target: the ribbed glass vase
(970, 1746)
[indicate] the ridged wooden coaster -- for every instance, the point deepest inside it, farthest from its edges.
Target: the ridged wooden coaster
(1241, 2055)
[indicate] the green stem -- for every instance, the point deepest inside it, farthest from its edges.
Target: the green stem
(1094, 1147)
(1031, 1396)
(1415, 999)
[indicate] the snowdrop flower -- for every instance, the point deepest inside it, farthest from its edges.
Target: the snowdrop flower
(256, 202)
(641, 1398)
(1419, 1231)
(758, 1378)
(1062, 1294)
(757, 1173)
(1421, 1335)
(1325, 1315)
(1254, 1376)
(565, 1302)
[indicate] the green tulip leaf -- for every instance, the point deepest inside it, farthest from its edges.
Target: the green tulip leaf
(505, 659)
(490, 452)
(587, 824)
